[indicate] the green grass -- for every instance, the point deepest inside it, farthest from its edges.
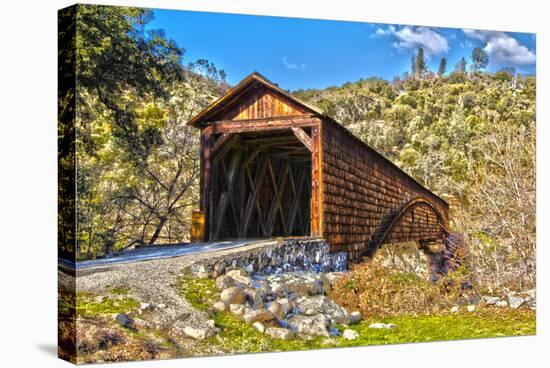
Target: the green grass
(484, 323)
(238, 337)
(87, 305)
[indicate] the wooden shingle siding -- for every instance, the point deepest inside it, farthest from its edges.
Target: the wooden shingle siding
(361, 190)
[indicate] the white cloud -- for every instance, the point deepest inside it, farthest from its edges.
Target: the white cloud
(290, 65)
(383, 31)
(503, 48)
(408, 37)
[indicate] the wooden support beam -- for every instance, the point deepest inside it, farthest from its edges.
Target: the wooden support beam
(225, 196)
(297, 192)
(252, 156)
(231, 142)
(270, 140)
(278, 188)
(303, 137)
(224, 138)
(255, 185)
(240, 126)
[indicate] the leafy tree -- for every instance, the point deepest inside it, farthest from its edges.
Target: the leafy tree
(137, 160)
(480, 59)
(442, 67)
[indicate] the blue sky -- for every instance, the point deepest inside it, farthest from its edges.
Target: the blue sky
(306, 53)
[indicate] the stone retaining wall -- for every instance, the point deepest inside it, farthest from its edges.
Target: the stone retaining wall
(288, 255)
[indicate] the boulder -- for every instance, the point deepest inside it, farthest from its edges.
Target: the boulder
(350, 334)
(219, 306)
(515, 301)
(310, 325)
(237, 309)
(471, 308)
(263, 316)
(254, 297)
(200, 333)
(286, 304)
(501, 303)
(454, 309)
(125, 321)
(233, 295)
(355, 317)
(279, 333)
(259, 326)
(224, 282)
(199, 270)
(276, 309)
(491, 300)
(240, 277)
(146, 307)
(381, 325)
(314, 305)
(278, 289)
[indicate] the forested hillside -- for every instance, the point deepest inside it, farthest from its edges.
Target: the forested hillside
(468, 135)
(137, 161)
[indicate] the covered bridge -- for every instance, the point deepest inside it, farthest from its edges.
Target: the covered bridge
(272, 165)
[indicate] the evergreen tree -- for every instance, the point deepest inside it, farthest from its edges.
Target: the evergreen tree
(420, 64)
(442, 67)
(413, 65)
(460, 67)
(480, 59)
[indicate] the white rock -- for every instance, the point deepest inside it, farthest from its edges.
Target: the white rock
(259, 326)
(491, 300)
(381, 325)
(515, 301)
(199, 333)
(355, 317)
(240, 277)
(350, 334)
(471, 308)
(501, 303)
(237, 309)
(310, 325)
(279, 333)
(454, 309)
(220, 306)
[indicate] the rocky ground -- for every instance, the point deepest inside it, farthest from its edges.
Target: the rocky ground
(168, 308)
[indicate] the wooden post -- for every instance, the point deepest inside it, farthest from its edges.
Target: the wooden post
(316, 183)
(205, 179)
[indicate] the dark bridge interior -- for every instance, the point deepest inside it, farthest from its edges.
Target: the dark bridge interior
(261, 186)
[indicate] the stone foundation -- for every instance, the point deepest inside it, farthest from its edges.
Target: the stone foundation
(277, 257)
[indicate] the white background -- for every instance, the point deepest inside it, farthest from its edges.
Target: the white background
(28, 184)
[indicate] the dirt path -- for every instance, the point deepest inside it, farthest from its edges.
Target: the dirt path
(152, 281)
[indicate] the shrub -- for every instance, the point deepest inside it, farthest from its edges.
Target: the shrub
(381, 292)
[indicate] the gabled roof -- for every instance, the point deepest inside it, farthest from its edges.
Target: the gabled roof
(231, 95)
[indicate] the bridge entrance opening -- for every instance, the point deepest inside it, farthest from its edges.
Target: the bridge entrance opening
(260, 185)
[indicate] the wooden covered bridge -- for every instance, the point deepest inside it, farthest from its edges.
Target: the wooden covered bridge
(272, 165)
